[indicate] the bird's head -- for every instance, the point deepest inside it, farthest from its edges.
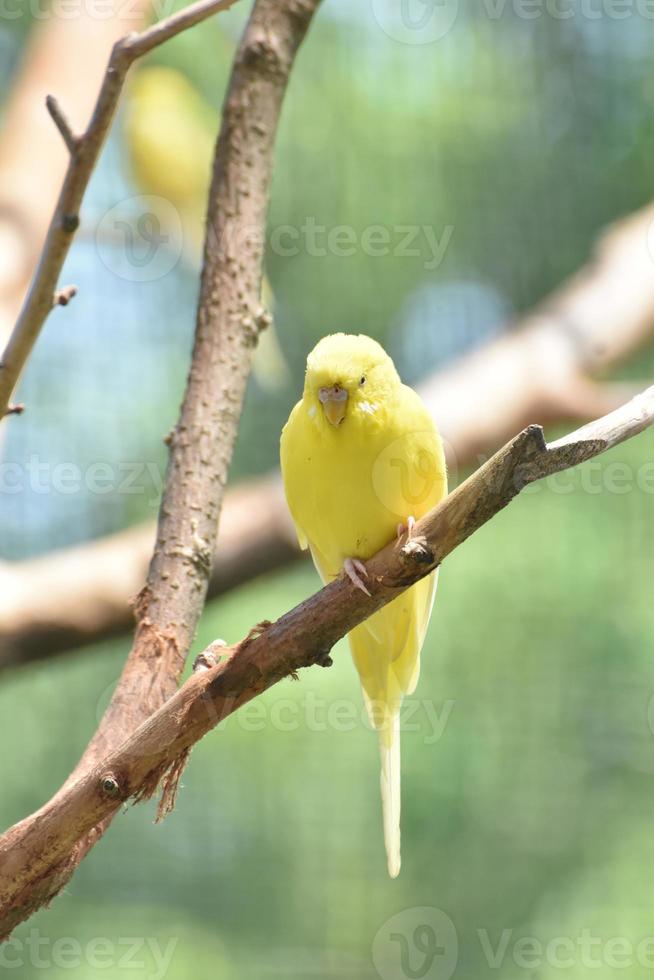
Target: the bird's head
(348, 376)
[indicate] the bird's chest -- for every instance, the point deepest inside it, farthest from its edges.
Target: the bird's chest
(344, 505)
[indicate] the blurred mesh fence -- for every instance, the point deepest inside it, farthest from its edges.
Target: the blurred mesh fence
(426, 189)
(503, 145)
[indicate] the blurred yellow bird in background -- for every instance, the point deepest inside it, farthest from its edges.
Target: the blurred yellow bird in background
(170, 132)
(361, 461)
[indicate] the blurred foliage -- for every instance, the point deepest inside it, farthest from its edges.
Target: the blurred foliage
(531, 812)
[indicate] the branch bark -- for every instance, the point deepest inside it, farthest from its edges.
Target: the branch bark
(228, 321)
(542, 368)
(84, 152)
(301, 638)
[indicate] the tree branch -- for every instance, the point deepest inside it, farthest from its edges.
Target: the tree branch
(301, 638)
(62, 124)
(84, 152)
(227, 325)
(58, 53)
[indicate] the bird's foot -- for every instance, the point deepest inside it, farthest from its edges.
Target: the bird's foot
(354, 568)
(407, 528)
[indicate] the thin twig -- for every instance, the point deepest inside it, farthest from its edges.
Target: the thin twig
(15, 409)
(301, 638)
(62, 124)
(83, 159)
(137, 45)
(64, 295)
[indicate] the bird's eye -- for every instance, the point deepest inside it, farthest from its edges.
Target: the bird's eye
(362, 380)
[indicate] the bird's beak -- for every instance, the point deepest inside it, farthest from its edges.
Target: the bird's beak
(334, 403)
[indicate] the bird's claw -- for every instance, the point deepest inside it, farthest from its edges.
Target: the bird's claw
(407, 528)
(354, 568)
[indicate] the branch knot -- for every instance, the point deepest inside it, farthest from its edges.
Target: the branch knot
(265, 54)
(416, 552)
(110, 785)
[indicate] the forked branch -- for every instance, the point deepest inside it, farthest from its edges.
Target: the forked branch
(84, 152)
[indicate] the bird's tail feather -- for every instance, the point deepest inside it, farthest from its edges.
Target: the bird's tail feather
(386, 651)
(389, 747)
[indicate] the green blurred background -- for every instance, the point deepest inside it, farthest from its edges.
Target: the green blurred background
(528, 752)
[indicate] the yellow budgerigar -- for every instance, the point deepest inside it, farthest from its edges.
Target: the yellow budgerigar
(362, 460)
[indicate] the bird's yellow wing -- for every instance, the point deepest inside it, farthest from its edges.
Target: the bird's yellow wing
(410, 477)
